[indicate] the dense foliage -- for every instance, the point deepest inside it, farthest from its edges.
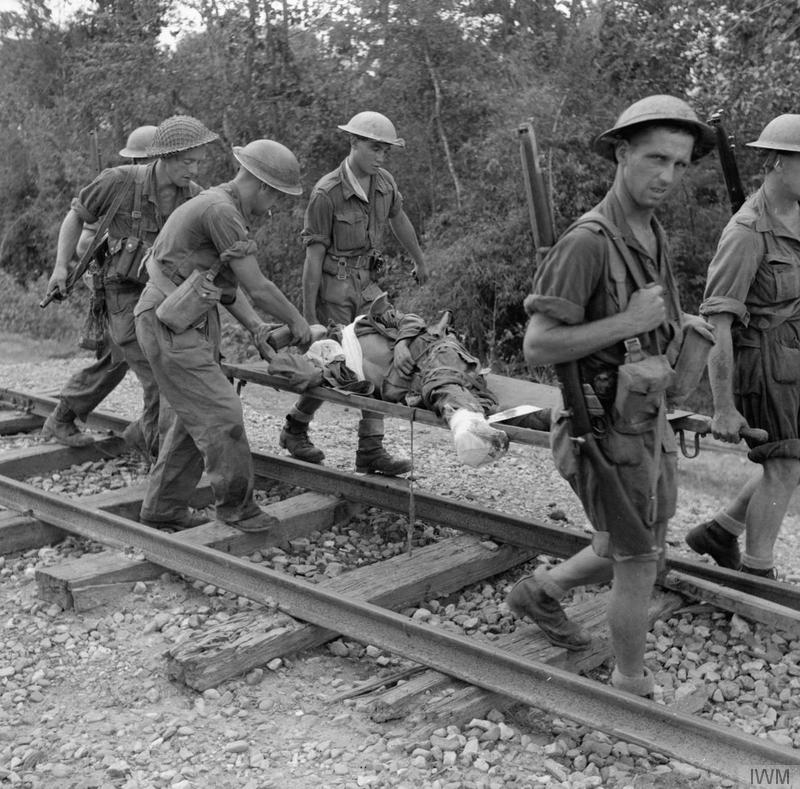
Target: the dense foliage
(456, 76)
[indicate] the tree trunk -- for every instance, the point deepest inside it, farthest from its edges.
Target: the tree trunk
(437, 118)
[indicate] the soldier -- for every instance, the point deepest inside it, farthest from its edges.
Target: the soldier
(149, 193)
(85, 390)
(606, 289)
(210, 235)
(752, 298)
(344, 226)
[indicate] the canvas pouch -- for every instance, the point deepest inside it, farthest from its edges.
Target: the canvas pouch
(189, 303)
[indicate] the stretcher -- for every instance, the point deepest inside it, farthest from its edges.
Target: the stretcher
(510, 392)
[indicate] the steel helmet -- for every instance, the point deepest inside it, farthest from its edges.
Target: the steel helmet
(272, 163)
(654, 110)
(138, 142)
(780, 134)
(179, 133)
(373, 126)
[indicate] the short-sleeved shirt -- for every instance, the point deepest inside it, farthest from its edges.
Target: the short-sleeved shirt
(755, 273)
(209, 229)
(95, 200)
(341, 221)
(574, 285)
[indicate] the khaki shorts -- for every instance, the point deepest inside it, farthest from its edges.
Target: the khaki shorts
(632, 456)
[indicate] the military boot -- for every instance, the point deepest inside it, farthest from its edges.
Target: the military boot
(528, 598)
(768, 572)
(722, 546)
(294, 438)
(60, 426)
(371, 457)
(190, 520)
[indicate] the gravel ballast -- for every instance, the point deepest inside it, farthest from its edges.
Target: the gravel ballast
(85, 701)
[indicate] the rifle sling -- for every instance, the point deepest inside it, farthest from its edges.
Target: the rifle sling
(101, 230)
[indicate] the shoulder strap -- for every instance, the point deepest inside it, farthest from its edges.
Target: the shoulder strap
(371, 231)
(136, 214)
(620, 263)
(102, 228)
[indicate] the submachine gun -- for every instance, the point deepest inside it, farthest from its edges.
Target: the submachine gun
(94, 257)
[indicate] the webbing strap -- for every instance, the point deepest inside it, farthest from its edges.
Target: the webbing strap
(140, 175)
(632, 266)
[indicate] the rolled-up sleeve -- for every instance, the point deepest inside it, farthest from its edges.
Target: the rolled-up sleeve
(318, 223)
(732, 271)
(240, 249)
(95, 199)
(568, 277)
(228, 232)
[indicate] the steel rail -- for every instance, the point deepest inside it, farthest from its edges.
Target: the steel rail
(689, 739)
(392, 494)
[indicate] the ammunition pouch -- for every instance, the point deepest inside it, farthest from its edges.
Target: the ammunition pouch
(641, 392)
(125, 261)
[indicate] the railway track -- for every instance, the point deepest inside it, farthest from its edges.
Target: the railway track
(530, 672)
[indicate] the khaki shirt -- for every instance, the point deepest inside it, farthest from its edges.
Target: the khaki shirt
(95, 200)
(755, 272)
(209, 229)
(342, 222)
(574, 285)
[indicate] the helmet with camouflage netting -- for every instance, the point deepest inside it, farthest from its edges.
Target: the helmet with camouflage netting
(179, 133)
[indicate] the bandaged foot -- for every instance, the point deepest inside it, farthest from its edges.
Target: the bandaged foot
(476, 441)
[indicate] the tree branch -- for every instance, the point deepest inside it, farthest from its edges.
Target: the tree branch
(440, 126)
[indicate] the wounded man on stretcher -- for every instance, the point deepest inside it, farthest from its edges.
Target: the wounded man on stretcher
(444, 377)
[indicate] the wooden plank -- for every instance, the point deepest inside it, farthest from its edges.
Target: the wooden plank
(87, 598)
(756, 609)
(43, 458)
(458, 703)
(22, 533)
(12, 422)
(295, 517)
(233, 648)
(517, 391)
(56, 582)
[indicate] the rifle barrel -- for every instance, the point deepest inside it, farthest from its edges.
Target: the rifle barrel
(541, 216)
(726, 146)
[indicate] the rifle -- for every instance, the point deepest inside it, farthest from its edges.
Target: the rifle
(95, 152)
(544, 236)
(612, 508)
(539, 210)
(726, 147)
